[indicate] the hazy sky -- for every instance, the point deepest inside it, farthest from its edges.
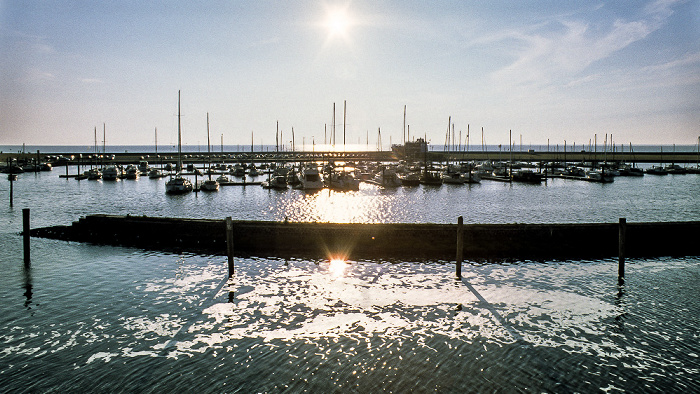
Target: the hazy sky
(547, 69)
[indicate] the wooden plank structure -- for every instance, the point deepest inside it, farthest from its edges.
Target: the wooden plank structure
(385, 241)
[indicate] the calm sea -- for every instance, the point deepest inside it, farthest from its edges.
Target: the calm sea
(88, 318)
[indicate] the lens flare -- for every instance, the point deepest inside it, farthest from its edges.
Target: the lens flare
(337, 267)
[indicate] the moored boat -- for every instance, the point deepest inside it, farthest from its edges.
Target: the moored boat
(178, 185)
(209, 185)
(275, 182)
(656, 170)
(310, 178)
(111, 173)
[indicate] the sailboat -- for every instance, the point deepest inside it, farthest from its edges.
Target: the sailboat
(177, 184)
(209, 185)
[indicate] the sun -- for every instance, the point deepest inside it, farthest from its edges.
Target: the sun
(338, 23)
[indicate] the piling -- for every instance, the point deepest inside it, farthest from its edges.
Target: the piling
(622, 230)
(229, 245)
(25, 234)
(12, 180)
(460, 246)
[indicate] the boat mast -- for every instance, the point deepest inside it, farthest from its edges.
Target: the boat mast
(510, 142)
(344, 116)
(95, 146)
(404, 127)
(208, 147)
(156, 140)
(179, 135)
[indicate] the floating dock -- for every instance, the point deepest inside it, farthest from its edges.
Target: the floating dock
(383, 241)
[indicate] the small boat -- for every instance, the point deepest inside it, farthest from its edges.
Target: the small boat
(132, 172)
(431, 177)
(656, 171)
(223, 179)
(410, 179)
(13, 169)
(627, 170)
(155, 173)
(178, 185)
(575, 172)
(293, 178)
(277, 182)
(209, 185)
(598, 176)
(238, 170)
(310, 178)
(253, 171)
(386, 177)
(341, 180)
(675, 169)
(111, 173)
(526, 176)
(93, 174)
(453, 178)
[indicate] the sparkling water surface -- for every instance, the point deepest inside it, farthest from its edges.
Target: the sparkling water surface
(105, 319)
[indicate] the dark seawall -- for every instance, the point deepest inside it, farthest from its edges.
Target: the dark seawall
(390, 241)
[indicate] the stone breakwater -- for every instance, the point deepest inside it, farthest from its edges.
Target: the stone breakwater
(386, 241)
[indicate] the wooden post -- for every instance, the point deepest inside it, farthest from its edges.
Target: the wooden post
(229, 245)
(25, 233)
(12, 181)
(622, 228)
(460, 246)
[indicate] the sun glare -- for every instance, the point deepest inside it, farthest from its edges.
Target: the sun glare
(337, 267)
(338, 23)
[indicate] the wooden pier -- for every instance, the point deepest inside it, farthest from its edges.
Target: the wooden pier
(384, 241)
(371, 156)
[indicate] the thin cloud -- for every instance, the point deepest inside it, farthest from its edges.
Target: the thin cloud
(38, 76)
(91, 80)
(561, 54)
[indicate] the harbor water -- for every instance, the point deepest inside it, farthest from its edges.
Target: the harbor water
(91, 318)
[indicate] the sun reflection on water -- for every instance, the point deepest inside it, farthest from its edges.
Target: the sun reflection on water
(337, 267)
(367, 205)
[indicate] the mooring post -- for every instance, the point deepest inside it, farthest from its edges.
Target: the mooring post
(229, 245)
(622, 229)
(25, 233)
(12, 179)
(460, 246)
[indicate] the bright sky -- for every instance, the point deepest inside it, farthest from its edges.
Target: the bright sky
(547, 69)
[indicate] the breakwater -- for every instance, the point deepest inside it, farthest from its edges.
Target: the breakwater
(401, 240)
